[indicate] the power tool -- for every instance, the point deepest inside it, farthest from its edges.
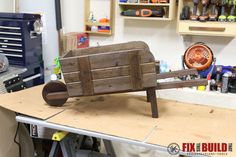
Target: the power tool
(185, 15)
(223, 16)
(204, 17)
(232, 17)
(194, 16)
(159, 12)
(214, 13)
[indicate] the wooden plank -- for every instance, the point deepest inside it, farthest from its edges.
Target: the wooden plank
(103, 73)
(111, 59)
(71, 77)
(112, 85)
(74, 89)
(110, 72)
(178, 73)
(114, 47)
(135, 70)
(69, 64)
(181, 84)
(85, 75)
(149, 80)
(214, 29)
(117, 58)
(57, 95)
(148, 68)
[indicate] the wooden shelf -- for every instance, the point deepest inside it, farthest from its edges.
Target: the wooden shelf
(148, 18)
(97, 24)
(88, 24)
(168, 7)
(146, 4)
(208, 28)
(99, 33)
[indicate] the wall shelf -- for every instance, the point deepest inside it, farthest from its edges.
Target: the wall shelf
(148, 18)
(169, 9)
(208, 28)
(146, 4)
(88, 24)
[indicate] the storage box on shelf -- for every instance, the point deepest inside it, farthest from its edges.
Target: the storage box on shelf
(208, 28)
(155, 5)
(98, 27)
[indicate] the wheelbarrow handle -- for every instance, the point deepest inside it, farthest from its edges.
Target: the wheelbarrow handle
(178, 73)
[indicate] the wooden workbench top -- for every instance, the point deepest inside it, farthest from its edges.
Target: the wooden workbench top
(129, 116)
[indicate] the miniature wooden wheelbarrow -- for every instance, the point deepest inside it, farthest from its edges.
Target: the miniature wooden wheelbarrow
(126, 67)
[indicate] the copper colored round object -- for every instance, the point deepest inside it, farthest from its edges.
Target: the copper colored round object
(51, 87)
(198, 56)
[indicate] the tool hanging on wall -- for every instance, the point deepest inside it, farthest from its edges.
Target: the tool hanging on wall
(185, 15)
(194, 16)
(232, 17)
(223, 15)
(214, 13)
(159, 12)
(204, 17)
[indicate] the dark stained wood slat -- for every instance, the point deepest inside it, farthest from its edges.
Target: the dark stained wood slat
(110, 72)
(85, 75)
(103, 73)
(74, 89)
(178, 73)
(72, 77)
(149, 80)
(135, 70)
(181, 84)
(69, 65)
(57, 95)
(112, 85)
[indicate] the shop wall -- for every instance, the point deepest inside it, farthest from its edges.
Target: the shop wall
(161, 36)
(6, 5)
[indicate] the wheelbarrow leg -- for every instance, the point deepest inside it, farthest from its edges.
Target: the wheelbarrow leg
(151, 97)
(148, 95)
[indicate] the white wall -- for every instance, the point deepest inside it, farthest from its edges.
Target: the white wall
(50, 37)
(161, 36)
(6, 6)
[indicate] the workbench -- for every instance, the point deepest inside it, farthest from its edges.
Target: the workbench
(126, 118)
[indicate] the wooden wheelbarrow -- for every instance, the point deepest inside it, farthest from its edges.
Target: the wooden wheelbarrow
(126, 67)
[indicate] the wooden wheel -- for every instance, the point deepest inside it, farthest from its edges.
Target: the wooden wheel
(54, 87)
(198, 56)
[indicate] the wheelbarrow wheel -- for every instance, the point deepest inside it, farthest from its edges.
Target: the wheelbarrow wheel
(53, 87)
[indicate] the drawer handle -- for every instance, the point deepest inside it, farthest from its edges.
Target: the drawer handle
(213, 29)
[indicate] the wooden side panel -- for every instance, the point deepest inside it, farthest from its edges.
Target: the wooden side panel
(108, 60)
(135, 70)
(147, 68)
(74, 89)
(85, 75)
(110, 72)
(69, 65)
(105, 60)
(112, 85)
(149, 80)
(72, 77)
